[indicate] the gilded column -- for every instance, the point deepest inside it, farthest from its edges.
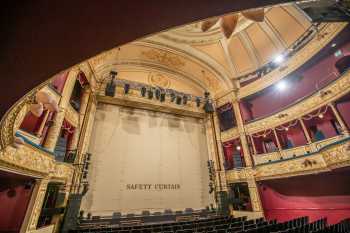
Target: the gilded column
(277, 140)
(255, 197)
(342, 124)
(243, 138)
(253, 144)
(55, 129)
(42, 125)
(306, 133)
(37, 204)
(218, 153)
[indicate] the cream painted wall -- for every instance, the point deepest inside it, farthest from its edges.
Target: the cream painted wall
(133, 146)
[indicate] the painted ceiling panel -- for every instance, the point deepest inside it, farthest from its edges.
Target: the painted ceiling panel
(216, 51)
(287, 26)
(263, 44)
(240, 56)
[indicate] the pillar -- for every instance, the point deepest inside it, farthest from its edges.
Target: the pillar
(306, 133)
(277, 140)
(34, 210)
(42, 125)
(254, 196)
(240, 126)
(253, 144)
(55, 129)
(342, 124)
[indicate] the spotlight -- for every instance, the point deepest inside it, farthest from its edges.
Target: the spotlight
(333, 45)
(178, 100)
(126, 88)
(198, 102)
(88, 156)
(185, 98)
(238, 147)
(172, 97)
(320, 115)
(150, 94)
(162, 97)
(84, 174)
(143, 91)
(157, 94)
(278, 59)
(281, 85)
(286, 128)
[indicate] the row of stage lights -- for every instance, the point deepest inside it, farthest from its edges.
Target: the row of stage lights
(158, 93)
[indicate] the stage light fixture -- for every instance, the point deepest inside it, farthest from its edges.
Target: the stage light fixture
(172, 97)
(143, 91)
(110, 87)
(126, 88)
(88, 156)
(238, 147)
(286, 128)
(162, 97)
(157, 94)
(333, 45)
(150, 94)
(178, 100)
(320, 116)
(198, 102)
(281, 85)
(184, 100)
(278, 59)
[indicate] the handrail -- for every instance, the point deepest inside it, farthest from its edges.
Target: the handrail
(26, 140)
(298, 100)
(308, 154)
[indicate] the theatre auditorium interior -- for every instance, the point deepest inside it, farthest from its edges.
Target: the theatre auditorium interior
(175, 116)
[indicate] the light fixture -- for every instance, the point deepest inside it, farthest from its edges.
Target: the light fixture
(320, 116)
(178, 100)
(184, 100)
(238, 147)
(286, 128)
(143, 91)
(126, 88)
(150, 94)
(198, 102)
(157, 94)
(333, 45)
(162, 96)
(172, 97)
(281, 85)
(278, 59)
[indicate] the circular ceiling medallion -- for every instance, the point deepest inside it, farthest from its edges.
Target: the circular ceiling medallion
(159, 80)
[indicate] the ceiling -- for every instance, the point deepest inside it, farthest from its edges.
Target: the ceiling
(42, 38)
(189, 60)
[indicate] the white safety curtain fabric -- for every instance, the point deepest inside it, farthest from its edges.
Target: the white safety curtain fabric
(133, 146)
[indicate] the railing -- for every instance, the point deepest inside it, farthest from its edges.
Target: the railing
(298, 152)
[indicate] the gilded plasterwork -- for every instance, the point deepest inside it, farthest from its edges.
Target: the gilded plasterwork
(159, 80)
(164, 57)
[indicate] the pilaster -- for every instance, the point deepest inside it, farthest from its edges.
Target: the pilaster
(34, 213)
(55, 129)
(342, 124)
(243, 138)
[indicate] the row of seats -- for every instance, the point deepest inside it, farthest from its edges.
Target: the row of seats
(227, 224)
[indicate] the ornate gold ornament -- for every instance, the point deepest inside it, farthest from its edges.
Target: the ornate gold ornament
(158, 80)
(164, 57)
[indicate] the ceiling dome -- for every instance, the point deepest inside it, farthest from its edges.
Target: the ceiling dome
(192, 60)
(251, 45)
